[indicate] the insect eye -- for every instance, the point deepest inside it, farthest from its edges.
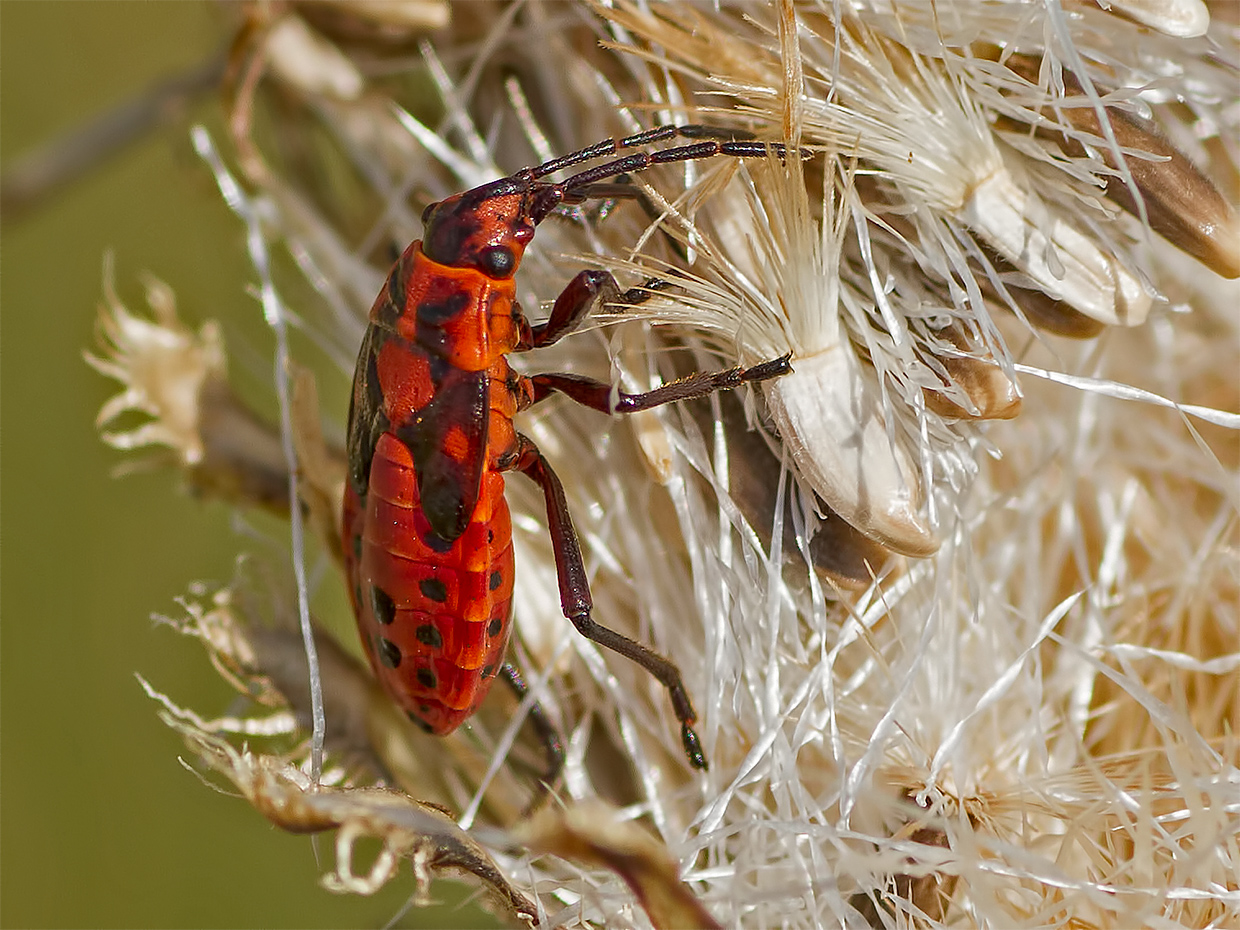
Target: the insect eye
(497, 261)
(426, 214)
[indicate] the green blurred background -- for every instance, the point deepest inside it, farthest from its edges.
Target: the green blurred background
(100, 826)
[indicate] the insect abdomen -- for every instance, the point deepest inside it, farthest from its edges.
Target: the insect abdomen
(435, 616)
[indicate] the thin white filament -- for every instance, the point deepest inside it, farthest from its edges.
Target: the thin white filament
(273, 312)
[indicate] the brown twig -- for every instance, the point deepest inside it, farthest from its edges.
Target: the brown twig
(46, 169)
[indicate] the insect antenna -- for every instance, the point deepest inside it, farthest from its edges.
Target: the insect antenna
(611, 146)
(640, 161)
(586, 184)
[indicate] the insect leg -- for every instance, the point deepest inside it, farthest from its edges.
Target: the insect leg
(553, 743)
(576, 601)
(598, 394)
(589, 289)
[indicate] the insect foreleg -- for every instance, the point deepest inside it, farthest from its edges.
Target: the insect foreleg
(582, 294)
(588, 290)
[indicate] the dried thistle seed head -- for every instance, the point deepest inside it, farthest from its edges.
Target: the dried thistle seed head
(910, 117)
(407, 829)
(162, 366)
(251, 636)
(1032, 725)
(768, 277)
(179, 379)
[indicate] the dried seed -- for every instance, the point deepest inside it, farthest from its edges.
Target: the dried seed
(837, 551)
(831, 420)
(992, 394)
(1182, 204)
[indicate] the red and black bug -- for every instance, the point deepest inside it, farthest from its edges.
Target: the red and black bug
(428, 538)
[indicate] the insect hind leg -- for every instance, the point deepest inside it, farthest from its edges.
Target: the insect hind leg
(553, 742)
(576, 602)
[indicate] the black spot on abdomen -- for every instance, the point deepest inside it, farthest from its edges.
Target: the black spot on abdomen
(428, 635)
(433, 590)
(389, 653)
(383, 607)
